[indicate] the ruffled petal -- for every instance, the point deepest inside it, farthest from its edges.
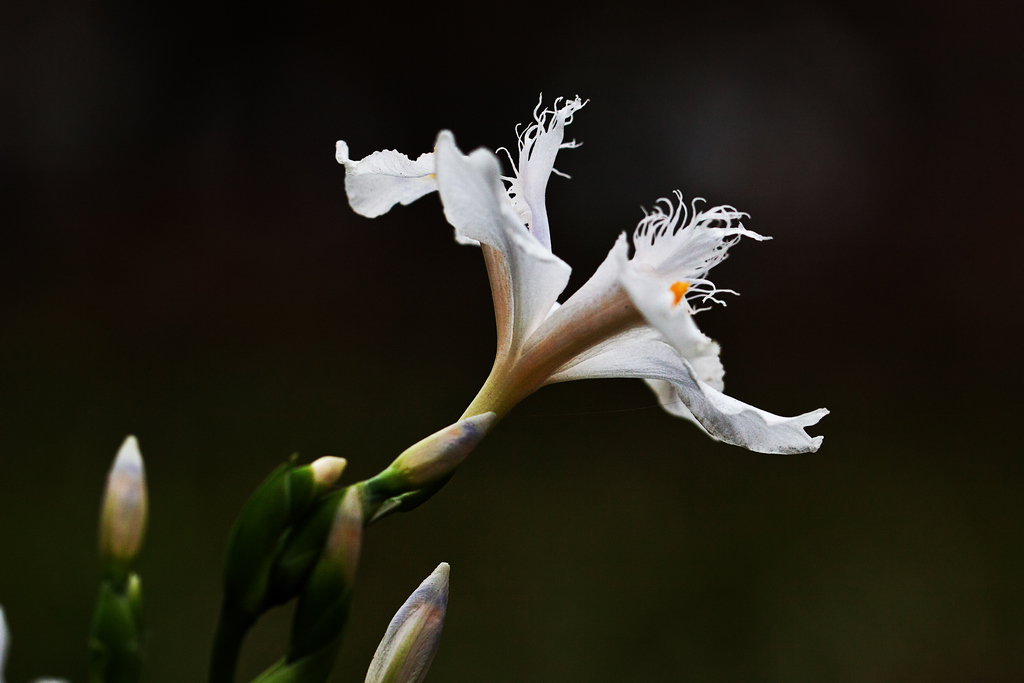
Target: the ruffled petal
(687, 253)
(538, 147)
(530, 277)
(653, 297)
(378, 182)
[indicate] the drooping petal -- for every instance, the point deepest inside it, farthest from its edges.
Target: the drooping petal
(475, 203)
(668, 399)
(724, 418)
(376, 183)
(538, 147)
(621, 356)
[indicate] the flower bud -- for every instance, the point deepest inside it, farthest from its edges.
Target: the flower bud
(123, 514)
(439, 455)
(327, 471)
(407, 649)
(323, 607)
(345, 539)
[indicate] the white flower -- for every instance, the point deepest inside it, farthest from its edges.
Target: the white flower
(633, 318)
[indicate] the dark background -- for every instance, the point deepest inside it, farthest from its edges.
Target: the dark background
(178, 261)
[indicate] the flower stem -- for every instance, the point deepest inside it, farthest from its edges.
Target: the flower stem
(227, 644)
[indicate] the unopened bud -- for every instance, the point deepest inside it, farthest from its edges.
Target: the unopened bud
(123, 515)
(439, 455)
(408, 647)
(323, 606)
(345, 539)
(327, 471)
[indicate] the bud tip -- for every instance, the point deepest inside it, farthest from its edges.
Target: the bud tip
(123, 517)
(327, 470)
(408, 647)
(129, 458)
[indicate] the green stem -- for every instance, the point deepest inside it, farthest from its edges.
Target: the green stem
(227, 644)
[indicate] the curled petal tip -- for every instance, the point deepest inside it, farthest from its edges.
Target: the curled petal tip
(812, 418)
(341, 152)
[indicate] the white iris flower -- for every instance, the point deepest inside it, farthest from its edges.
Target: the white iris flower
(633, 318)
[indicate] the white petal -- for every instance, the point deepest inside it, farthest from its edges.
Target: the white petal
(5, 641)
(652, 296)
(475, 203)
(688, 253)
(599, 309)
(740, 424)
(378, 182)
(668, 399)
(639, 354)
(654, 299)
(708, 369)
(538, 147)
(618, 356)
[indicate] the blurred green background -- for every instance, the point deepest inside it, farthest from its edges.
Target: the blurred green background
(178, 261)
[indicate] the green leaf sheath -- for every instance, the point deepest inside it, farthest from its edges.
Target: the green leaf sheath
(115, 643)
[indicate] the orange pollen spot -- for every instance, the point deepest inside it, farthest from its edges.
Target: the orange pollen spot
(679, 289)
